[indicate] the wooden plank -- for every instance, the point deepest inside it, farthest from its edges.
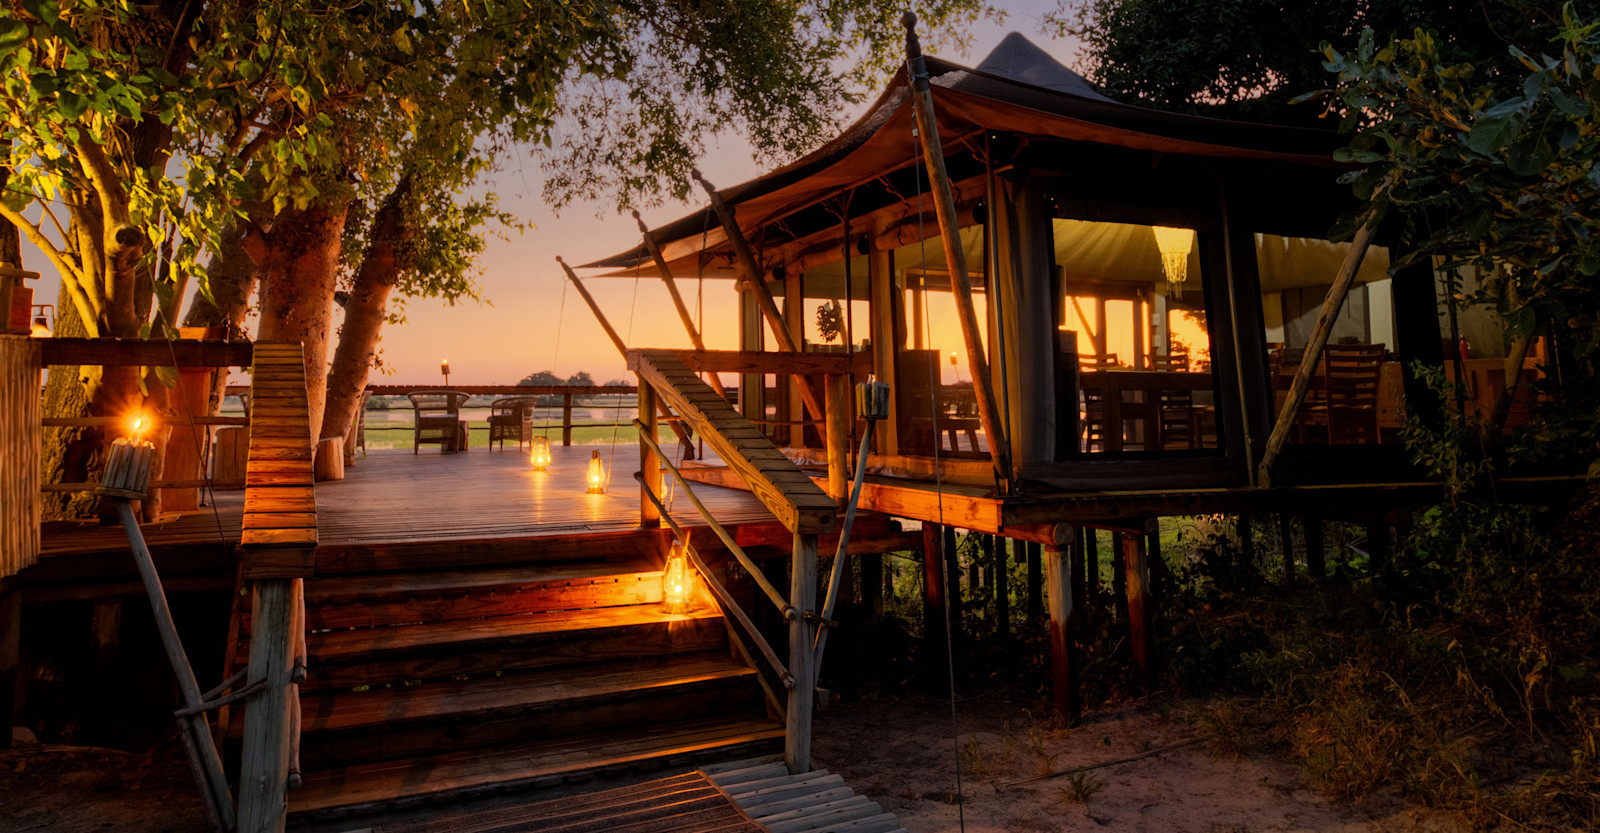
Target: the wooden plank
(20, 439)
(133, 352)
(264, 770)
(802, 655)
(796, 504)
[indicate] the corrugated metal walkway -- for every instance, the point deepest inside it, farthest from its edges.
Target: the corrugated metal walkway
(741, 797)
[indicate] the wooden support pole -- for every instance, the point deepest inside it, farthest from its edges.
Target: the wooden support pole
(802, 657)
(1313, 355)
(934, 608)
(622, 348)
(841, 415)
(1119, 577)
(871, 579)
(756, 284)
(952, 577)
(1247, 540)
(1316, 558)
(1378, 551)
(264, 770)
(695, 338)
(1286, 543)
(21, 439)
(1035, 580)
(1140, 605)
(12, 677)
(649, 462)
(1091, 557)
(955, 258)
(1080, 566)
(1001, 548)
(1058, 572)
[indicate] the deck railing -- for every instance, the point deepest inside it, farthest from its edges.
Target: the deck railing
(789, 493)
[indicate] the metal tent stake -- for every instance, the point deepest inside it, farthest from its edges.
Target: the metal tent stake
(126, 480)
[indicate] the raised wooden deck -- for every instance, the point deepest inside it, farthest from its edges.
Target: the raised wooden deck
(394, 499)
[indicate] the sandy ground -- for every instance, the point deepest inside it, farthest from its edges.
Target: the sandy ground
(900, 752)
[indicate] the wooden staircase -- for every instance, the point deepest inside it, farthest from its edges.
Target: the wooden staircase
(425, 684)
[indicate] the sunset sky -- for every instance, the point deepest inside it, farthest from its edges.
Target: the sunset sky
(514, 333)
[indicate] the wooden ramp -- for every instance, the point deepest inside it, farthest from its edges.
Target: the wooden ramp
(750, 796)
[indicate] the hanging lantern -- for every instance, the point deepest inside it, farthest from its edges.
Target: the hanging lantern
(597, 474)
(1175, 244)
(677, 580)
(444, 369)
(539, 458)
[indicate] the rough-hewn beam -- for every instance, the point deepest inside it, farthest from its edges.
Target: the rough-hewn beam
(135, 352)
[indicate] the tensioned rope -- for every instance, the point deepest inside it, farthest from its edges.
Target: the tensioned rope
(616, 422)
(938, 481)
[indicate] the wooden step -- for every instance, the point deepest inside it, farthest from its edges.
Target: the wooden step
(344, 728)
(440, 650)
(353, 601)
(394, 783)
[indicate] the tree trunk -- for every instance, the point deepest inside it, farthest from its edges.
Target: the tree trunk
(231, 275)
(299, 269)
(365, 309)
(69, 454)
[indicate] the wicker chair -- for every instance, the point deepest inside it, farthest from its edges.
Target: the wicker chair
(511, 419)
(437, 420)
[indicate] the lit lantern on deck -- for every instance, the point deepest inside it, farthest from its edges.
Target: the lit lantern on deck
(597, 474)
(539, 457)
(677, 580)
(137, 425)
(1175, 244)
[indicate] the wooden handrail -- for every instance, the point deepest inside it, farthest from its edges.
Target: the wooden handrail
(510, 390)
(723, 596)
(757, 361)
(749, 564)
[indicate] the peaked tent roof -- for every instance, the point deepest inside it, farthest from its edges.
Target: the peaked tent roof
(1019, 59)
(968, 102)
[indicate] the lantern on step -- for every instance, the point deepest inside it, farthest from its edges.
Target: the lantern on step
(539, 457)
(596, 478)
(677, 580)
(1175, 244)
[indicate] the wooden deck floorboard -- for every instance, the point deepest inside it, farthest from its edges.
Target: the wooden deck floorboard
(395, 496)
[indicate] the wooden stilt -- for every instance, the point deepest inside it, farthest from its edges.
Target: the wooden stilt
(1313, 355)
(1119, 578)
(1160, 579)
(1091, 557)
(1378, 552)
(1136, 567)
(1316, 560)
(699, 343)
(264, 771)
(1286, 542)
(12, 676)
(1035, 579)
(1064, 672)
(944, 206)
(1247, 540)
(105, 634)
(952, 571)
(870, 566)
(802, 656)
(1080, 567)
(841, 416)
(756, 283)
(1001, 548)
(934, 608)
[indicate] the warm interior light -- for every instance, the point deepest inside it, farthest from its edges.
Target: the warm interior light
(597, 474)
(539, 457)
(676, 581)
(41, 328)
(1175, 244)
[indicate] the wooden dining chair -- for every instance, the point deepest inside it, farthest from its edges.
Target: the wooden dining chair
(1348, 410)
(437, 419)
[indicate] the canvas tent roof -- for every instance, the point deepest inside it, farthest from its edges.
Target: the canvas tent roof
(1016, 89)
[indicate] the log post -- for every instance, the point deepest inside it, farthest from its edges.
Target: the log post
(1286, 542)
(1091, 559)
(12, 678)
(649, 463)
(1136, 568)
(1058, 573)
(699, 343)
(1119, 576)
(934, 608)
(1313, 355)
(802, 658)
(264, 770)
(756, 284)
(871, 583)
(1316, 559)
(566, 419)
(840, 416)
(1035, 580)
(955, 258)
(952, 581)
(21, 438)
(1001, 547)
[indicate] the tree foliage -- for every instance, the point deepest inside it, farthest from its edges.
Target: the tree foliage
(1248, 59)
(1499, 173)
